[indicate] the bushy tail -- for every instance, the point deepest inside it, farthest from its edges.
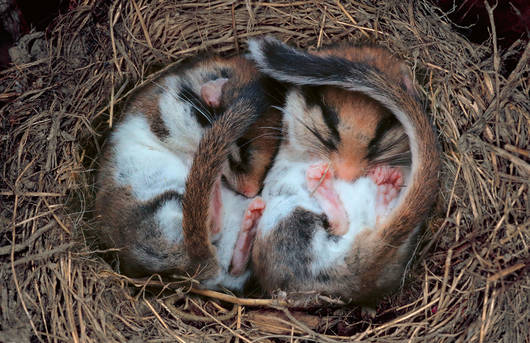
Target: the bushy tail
(207, 167)
(290, 65)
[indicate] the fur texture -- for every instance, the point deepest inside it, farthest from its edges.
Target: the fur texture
(150, 206)
(374, 255)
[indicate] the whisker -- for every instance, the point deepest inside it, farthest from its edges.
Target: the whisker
(316, 149)
(203, 107)
(203, 111)
(318, 146)
(261, 136)
(271, 128)
(175, 95)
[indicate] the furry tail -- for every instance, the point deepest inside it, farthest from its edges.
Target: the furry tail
(207, 167)
(290, 65)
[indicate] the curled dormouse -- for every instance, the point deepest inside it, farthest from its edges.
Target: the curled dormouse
(144, 192)
(317, 232)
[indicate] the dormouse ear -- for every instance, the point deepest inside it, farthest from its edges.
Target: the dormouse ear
(212, 91)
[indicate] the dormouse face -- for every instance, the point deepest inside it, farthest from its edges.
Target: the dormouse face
(358, 119)
(342, 126)
(253, 155)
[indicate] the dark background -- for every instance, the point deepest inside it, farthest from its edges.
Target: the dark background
(512, 21)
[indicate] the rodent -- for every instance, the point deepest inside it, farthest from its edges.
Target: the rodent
(253, 153)
(203, 202)
(295, 248)
(143, 182)
(351, 129)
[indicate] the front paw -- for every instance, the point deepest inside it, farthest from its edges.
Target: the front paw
(320, 182)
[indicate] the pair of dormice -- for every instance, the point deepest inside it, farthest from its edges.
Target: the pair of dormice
(335, 142)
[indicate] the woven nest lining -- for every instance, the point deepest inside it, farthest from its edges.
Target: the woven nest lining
(470, 279)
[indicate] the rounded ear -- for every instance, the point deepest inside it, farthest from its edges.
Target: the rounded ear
(212, 91)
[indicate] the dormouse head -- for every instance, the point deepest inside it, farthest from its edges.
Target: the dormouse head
(343, 126)
(253, 154)
(343, 105)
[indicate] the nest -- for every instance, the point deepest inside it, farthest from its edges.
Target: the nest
(469, 281)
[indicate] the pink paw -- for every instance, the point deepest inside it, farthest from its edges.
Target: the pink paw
(253, 213)
(389, 181)
(319, 175)
(246, 235)
(319, 178)
(386, 175)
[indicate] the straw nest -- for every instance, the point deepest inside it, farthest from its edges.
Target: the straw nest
(469, 282)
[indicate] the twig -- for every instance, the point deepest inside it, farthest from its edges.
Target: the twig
(445, 279)
(42, 255)
(33, 194)
(507, 271)
(288, 4)
(234, 27)
(192, 317)
(322, 25)
(13, 264)
(59, 221)
(178, 338)
(516, 72)
(40, 215)
(111, 103)
(525, 167)
(142, 23)
(397, 320)
(517, 150)
(6, 249)
(347, 14)
(304, 327)
(239, 301)
(219, 322)
(496, 65)
(112, 22)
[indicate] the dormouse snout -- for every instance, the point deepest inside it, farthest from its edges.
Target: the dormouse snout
(248, 188)
(347, 169)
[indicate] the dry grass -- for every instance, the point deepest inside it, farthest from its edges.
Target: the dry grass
(469, 284)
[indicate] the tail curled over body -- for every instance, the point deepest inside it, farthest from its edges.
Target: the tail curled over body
(202, 190)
